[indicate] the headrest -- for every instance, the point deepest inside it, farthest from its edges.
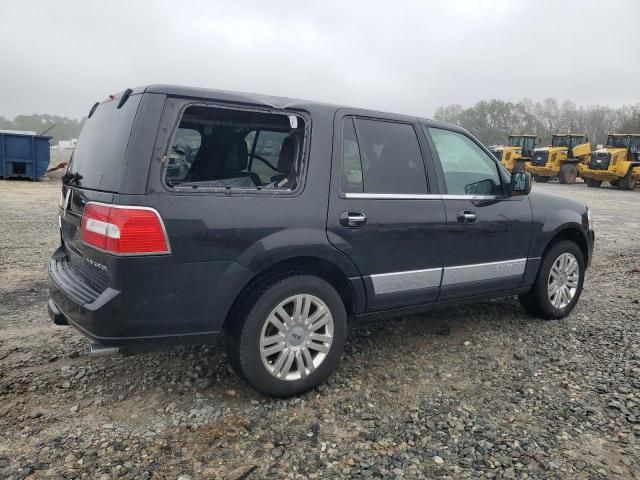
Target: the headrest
(236, 157)
(289, 151)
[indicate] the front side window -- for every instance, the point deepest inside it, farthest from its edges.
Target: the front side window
(381, 157)
(235, 149)
(467, 169)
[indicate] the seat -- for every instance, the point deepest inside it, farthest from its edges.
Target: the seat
(236, 161)
(289, 152)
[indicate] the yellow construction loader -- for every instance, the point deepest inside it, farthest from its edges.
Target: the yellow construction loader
(561, 158)
(617, 163)
(515, 155)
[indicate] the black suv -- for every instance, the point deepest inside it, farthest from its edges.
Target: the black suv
(186, 213)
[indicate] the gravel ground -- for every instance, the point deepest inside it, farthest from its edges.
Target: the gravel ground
(481, 391)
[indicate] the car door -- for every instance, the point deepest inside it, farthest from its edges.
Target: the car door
(488, 233)
(382, 212)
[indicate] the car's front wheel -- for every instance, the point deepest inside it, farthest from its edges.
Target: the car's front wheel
(290, 336)
(628, 182)
(559, 283)
(568, 173)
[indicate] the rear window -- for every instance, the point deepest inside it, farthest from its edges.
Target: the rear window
(99, 154)
(224, 148)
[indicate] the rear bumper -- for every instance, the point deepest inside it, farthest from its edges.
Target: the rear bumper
(159, 303)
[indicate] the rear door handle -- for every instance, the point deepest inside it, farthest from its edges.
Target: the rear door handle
(466, 216)
(352, 219)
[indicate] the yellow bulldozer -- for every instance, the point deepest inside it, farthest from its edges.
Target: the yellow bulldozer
(561, 158)
(515, 155)
(618, 162)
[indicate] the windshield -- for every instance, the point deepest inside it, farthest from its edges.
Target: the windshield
(566, 141)
(618, 142)
(528, 144)
(516, 141)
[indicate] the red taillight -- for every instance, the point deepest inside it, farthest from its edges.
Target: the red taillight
(124, 230)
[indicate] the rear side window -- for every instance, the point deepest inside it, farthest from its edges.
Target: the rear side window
(467, 169)
(224, 148)
(99, 155)
(381, 157)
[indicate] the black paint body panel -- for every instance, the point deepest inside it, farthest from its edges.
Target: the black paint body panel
(220, 242)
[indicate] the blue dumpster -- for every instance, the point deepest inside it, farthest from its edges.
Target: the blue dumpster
(23, 155)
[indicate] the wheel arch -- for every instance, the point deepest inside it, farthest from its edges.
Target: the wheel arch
(573, 234)
(351, 289)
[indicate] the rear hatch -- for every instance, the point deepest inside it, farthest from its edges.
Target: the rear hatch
(95, 174)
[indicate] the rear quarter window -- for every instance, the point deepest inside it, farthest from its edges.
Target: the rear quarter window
(100, 152)
(223, 148)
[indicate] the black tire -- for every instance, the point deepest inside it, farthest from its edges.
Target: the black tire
(614, 183)
(568, 173)
(519, 166)
(541, 179)
(243, 337)
(627, 182)
(536, 301)
(593, 183)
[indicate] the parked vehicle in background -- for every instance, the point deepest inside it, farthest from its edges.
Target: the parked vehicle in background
(515, 155)
(362, 215)
(617, 163)
(561, 158)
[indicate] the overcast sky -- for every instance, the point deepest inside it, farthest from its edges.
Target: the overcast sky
(61, 56)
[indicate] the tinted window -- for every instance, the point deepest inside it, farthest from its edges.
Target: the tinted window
(99, 154)
(382, 157)
(227, 148)
(351, 164)
(468, 170)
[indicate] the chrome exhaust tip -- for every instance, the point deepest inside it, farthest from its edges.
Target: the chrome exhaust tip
(99, 350)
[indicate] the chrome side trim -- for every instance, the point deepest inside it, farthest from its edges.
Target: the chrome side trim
(483, 271)
(408, 280)
(417, 196)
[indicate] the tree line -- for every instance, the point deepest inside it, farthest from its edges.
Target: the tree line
(491, 121)
(65, 128)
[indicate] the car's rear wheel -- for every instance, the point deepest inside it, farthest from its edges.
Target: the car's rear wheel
(290, 336)
(559, 282)
(593, 183)
(568, 173)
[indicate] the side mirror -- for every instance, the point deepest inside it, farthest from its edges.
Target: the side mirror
(520, 183)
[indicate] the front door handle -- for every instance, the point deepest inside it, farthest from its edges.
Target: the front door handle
(352, 219)
(466, 216)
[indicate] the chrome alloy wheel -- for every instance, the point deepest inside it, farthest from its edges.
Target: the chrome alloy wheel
(296, 337)
(563, 280)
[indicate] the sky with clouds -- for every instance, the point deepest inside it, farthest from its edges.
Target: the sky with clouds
(411, 57)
